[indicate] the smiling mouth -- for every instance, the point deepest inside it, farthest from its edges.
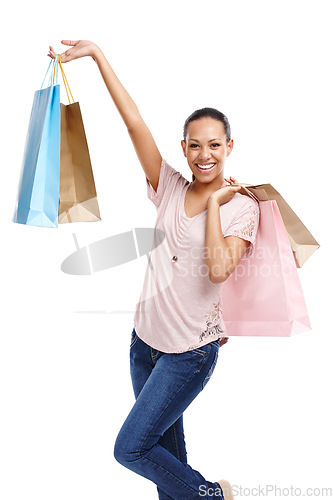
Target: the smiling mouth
(205, 167)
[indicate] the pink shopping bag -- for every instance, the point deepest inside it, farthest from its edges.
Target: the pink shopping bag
(263, 296)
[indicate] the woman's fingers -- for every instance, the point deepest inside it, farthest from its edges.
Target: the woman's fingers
(70, 42)
(64, 57)
(51, 52)
(232, 180)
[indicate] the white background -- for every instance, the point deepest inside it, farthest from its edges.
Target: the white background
(265, 417)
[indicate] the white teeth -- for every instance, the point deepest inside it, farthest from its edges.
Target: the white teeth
(205, 167)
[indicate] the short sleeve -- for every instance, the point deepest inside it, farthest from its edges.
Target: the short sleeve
(166, 178)
(245, 225)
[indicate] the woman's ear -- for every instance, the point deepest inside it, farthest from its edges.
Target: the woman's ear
(183, 144)
(230, 146)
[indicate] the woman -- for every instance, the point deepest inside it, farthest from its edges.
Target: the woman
(206, 228)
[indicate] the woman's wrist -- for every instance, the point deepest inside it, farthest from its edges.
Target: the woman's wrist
(212, 202)
(96, 53)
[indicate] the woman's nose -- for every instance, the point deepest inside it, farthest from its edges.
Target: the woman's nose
(205, 153)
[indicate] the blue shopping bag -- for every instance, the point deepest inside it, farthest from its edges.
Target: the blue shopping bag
(38, 192)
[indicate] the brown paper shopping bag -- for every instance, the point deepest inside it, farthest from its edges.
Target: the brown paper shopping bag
(302, 242)
(77, 192)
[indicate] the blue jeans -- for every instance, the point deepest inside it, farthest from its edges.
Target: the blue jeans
(151, 440)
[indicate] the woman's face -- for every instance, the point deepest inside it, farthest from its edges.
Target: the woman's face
(206, 149)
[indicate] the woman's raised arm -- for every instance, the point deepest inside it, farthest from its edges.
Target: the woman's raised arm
(143, 141)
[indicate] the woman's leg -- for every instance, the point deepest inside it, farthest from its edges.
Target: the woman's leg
(141, 365)
(173, 440)
(174, 382)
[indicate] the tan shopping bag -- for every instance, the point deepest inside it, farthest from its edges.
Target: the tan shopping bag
(77, 192)
(302, 242)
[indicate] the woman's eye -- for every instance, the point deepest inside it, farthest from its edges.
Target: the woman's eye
(195, 145)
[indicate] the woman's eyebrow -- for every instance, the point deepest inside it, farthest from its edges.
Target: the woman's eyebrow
(216, 139)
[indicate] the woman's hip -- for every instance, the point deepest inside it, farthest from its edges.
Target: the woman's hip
(173, 372)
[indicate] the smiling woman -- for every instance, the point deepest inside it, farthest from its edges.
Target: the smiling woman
(178, 322)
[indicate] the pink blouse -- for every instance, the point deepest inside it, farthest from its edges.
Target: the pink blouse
(179, 308)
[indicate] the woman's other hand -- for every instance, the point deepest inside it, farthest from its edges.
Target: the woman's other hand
(226, 192)
(223, 340)
(79, 48)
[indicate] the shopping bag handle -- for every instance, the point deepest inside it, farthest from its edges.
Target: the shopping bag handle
(248, 192)
(53, 61)
(66, 84)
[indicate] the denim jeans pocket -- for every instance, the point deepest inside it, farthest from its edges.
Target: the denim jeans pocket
(200, 350)
(134, 337)
(216, 343)
(203, 350)
(209, 374)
